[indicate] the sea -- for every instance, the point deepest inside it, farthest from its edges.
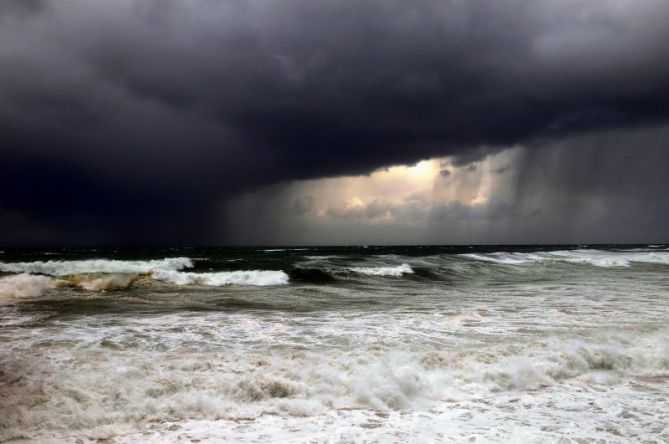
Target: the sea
(528, 344)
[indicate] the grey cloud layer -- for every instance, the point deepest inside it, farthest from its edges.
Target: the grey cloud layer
(608, 187)
(138, 114)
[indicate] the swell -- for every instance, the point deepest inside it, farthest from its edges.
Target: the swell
(311, 276)
(32, 279)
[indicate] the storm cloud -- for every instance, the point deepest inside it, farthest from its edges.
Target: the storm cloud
(130, 121)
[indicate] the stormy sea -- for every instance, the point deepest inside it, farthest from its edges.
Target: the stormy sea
(351, 344)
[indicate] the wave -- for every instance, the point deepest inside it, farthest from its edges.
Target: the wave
(598, 258)
(96, 282)
(259, 278)
(24, 286)
(65, 268)
(238, 384)
(383, 271)
(311, 275)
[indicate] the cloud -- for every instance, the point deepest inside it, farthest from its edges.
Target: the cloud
(131, 115)
(357, 210)
(502, 169)
(20, 6)
(302, 205)
(581, 189)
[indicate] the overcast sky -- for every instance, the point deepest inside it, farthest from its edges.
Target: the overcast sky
(300, 121)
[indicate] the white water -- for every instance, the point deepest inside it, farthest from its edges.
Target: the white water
(23, 286)
(112, 379)
(384, 271)
(64, 268)
(241, 277)
(111, 282)
(597, 258)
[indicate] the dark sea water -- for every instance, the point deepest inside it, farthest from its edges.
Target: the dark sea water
(377, 344)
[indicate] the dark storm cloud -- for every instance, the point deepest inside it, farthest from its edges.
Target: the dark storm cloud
(136, 117)
(604, 187)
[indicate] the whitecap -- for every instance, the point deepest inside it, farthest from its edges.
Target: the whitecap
(384, 271)
(24, 286)
(64, 268)
(217, 279)
(598, 258)
(98, 283)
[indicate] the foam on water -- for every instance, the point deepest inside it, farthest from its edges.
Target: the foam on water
(64, 268)
(104, 389)
(241, 277)
(597, 258)
(24, 286)
(98, 283)
(384, 271)
(581, 416)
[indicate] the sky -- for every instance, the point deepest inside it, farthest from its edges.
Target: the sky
(276, 122)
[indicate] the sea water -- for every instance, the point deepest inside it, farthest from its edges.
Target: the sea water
(379, 344)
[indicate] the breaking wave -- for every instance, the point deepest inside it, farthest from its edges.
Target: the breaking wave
(233, 385)
(24, 286)
(65, 268)
(598, 258)
(383, 271)
(96, 282)
(258, 278)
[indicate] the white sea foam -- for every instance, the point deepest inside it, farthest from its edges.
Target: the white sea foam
(24, 286)
(111, 282)
(384, 271)
(597, 258)
(64, 268)
(240, 277)
(123, 389)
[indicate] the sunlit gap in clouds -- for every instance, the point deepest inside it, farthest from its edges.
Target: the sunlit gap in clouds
(393, 199)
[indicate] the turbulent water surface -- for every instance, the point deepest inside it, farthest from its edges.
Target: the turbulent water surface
(405, 344)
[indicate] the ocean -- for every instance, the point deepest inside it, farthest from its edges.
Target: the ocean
(352, 344)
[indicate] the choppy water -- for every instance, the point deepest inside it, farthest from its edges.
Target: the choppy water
(411, 344)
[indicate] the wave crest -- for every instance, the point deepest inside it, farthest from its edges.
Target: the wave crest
(24, 286)
(66, 268)
(99, 283)
(598, 258)
(241, 277)
(384, 271)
